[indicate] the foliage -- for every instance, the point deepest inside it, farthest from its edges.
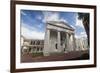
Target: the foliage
(36, 54)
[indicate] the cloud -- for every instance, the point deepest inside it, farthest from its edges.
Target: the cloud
(62, 19)
(79, 22)
(52, 16)
(81, 35)
(23, 13)
(31, 34)
(28, 26)
(39, 17)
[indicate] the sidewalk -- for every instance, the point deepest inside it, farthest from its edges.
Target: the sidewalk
(75, 55)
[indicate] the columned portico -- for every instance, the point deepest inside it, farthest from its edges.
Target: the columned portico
(59, 38)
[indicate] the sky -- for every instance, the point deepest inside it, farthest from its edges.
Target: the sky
(33, 22)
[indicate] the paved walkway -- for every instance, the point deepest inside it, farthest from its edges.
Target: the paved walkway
(76, 55)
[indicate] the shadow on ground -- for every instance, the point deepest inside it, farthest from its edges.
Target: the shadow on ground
(75, 55)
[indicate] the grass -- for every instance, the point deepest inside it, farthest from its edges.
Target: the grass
(36, 54)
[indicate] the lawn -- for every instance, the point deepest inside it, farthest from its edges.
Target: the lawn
(36, 54)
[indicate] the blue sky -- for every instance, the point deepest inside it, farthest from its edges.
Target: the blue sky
(33, 22)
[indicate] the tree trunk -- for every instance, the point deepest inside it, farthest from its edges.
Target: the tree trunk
(86, 26)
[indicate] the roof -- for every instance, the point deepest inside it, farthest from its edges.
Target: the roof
(61, 24)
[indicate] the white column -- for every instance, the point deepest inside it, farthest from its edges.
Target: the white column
(59, 42)
(74, 48)
(67, 43)
(46, 43)
(71, 42)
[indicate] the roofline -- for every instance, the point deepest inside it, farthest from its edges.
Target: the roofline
(71, 28)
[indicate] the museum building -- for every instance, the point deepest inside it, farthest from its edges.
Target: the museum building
(59, 38)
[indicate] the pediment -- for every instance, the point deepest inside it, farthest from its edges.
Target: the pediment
(60, 24)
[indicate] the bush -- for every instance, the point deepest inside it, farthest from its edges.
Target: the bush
(36, 54)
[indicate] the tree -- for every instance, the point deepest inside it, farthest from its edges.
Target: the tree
(85, 20)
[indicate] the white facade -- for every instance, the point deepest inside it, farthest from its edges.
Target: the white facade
(59, 38)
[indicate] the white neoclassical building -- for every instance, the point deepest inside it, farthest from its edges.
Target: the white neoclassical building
(59, 37)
